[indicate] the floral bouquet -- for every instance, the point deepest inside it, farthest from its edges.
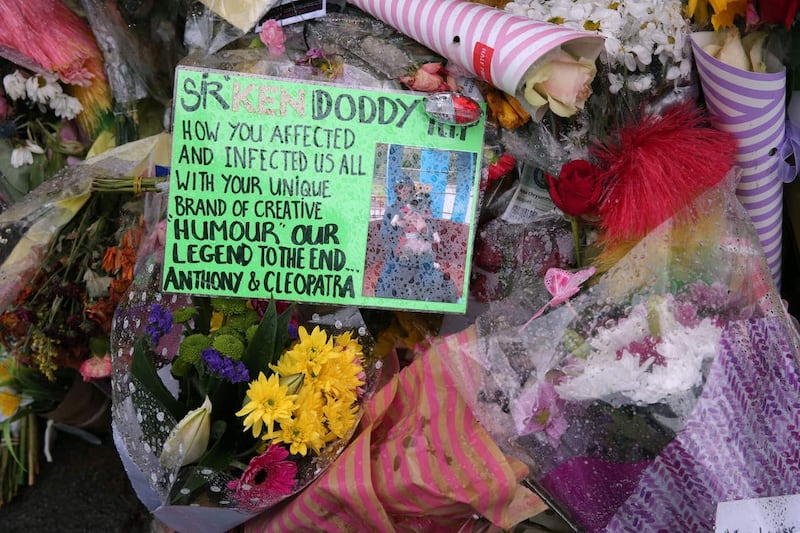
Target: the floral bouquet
(645, 63)
(744, 56)
(225, 407)
(679, 346)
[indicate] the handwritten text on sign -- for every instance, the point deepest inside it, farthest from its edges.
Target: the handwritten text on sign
(271, 184)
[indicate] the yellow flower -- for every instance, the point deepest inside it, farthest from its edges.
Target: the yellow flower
(307, 355)
(5, 369)
(347, 343)
(301, 433)
(9, 403)
(339, 376)
(341, 417)
(724, 11)
(270, 402)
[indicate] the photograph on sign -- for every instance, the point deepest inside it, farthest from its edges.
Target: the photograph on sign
(419, 226)
(318, 193)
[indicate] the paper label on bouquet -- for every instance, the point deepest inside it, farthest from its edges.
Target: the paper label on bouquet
(531, 199)
(780, 514)
(318, 193)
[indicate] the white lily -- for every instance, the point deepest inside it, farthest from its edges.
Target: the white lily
(188, 440)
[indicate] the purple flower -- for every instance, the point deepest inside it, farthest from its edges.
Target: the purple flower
(540, 410)
(160, 323)
(225, 367)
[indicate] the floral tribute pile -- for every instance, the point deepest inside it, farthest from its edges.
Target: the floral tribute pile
(621, 303)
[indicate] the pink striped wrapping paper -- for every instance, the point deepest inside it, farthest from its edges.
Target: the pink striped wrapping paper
(751, 106)
(498, 47)
(420, 463)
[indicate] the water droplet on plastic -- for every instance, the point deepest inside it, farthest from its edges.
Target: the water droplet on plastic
(160, 416)
(362, 331)
(338, 324)
(206, 471)
(379, 364)
(214, 488)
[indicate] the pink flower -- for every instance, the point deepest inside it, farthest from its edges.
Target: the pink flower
(96, 367)
(540, 410)
(267, 476)
(273, 37)
(430, 78)
(563, 83)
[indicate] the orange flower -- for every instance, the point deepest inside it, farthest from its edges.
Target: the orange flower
(110, 259)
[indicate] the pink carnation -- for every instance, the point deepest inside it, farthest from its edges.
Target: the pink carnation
(273, 37)
(96, 367)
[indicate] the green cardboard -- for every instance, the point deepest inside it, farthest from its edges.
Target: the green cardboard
(279, 189)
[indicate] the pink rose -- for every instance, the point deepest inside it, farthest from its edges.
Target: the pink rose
(430, 78)
(273, 37)
(564, 83)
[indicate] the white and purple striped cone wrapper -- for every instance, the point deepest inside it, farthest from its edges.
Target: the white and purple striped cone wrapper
(752, 107)
(497, 47)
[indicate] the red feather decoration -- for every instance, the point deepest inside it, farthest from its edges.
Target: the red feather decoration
(656, 167)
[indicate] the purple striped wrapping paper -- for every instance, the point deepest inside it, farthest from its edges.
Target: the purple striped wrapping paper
(498, 47)
(750, 106)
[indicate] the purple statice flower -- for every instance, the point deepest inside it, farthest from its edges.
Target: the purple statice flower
(225, 367)
(159, 323)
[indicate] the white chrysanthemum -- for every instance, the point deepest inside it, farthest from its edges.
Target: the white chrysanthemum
(14, 85)
(23, 155)
(613, 374)
(65, 106)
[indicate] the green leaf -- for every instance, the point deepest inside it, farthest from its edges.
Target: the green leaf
(282, 334)
(260, 349)
(142, 369)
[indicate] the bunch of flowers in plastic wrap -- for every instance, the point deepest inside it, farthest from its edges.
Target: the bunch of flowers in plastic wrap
(228, 404)
(666, 385)
(646, 61)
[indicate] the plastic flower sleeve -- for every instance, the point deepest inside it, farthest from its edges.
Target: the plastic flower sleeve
(659, 391)
(151, 415)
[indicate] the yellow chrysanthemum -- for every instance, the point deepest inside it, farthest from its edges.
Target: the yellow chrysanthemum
(270, 402)
(301, 433)
(339, 376)
(9, 403)
(309, 398)
(307, 355)
(347, 343)
(340, 417)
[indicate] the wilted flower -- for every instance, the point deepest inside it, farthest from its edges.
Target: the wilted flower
(429, 78)
(188, 440)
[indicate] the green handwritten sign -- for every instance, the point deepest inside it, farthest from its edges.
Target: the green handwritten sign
(318, 193)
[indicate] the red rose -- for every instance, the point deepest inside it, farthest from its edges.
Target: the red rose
(578, 188)
(778, 11)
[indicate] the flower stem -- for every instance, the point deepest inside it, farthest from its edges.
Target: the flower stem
(576, 239)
